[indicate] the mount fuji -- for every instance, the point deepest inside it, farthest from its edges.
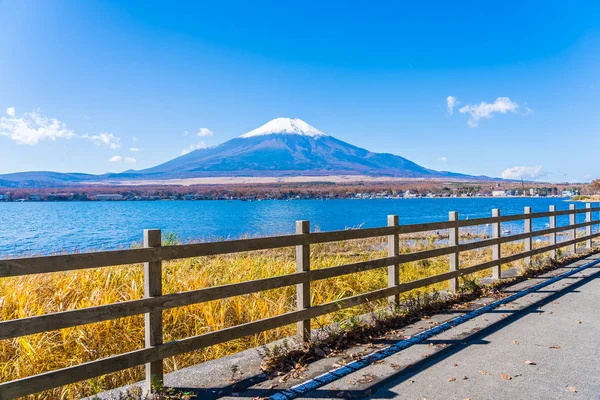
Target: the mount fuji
(281, 147)
(289, 147)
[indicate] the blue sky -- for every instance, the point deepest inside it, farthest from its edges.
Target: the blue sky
(84, 82)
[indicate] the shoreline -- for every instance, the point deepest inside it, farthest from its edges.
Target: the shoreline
(586, 199)
(249, 199)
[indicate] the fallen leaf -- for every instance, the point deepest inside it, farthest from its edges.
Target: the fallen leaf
(451, 379)
(515, 341)
(484, 372)
(455, 365)
(367, 379)
(272, 386)
(465, 378)
(554, 346)
(529, 362)
(572, 389)
(578, 322)
(506, 376)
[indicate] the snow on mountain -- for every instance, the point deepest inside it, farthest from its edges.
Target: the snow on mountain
(285, 126)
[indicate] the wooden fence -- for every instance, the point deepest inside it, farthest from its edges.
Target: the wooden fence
(154, 302)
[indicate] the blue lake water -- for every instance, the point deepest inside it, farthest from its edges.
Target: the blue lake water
(31, 228)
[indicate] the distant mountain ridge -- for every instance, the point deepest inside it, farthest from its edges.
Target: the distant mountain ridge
(281, 147)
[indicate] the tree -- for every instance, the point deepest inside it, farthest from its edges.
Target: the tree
(595, 185)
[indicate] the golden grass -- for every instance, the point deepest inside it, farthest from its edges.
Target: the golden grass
(40, 294)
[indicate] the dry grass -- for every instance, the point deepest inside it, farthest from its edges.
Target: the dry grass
(40, 294)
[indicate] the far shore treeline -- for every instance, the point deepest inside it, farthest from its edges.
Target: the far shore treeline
(287, 191)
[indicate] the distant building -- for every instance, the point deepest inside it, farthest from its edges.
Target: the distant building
(499, 193)
(104, 197)
(567, 193)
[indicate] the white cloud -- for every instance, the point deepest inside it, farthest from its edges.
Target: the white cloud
(522, 172)
(126, 160)
(32, 127)
(203, 132)
(451, 102)
(107, 139)
(487, 110)
(134, 140)
(528, 111)
(193, 147)
(443, 158)
(135, 149)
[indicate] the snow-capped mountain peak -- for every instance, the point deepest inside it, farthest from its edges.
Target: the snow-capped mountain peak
(294, 126)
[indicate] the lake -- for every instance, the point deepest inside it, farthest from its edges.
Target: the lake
(32, 228)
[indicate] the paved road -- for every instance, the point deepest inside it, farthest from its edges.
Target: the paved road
(562, 338)
(545, 345)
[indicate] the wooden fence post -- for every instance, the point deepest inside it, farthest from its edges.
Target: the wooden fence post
(153, 327)
(553, 235)
(393, 245)
(496, 233)
(588, 229)
(453, 240)
(529, 240)
(572, 232)
(303, 289)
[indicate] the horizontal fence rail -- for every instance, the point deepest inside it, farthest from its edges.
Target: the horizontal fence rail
(155, 302)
